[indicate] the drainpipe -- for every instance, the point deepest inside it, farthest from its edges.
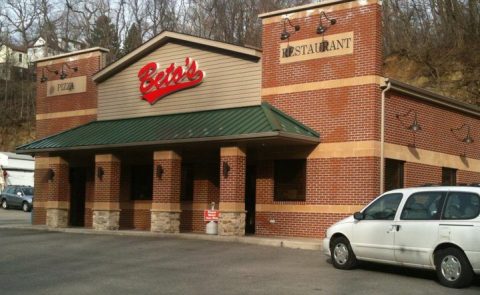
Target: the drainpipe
(382, 137)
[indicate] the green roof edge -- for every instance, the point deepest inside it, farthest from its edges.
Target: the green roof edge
(272, 109)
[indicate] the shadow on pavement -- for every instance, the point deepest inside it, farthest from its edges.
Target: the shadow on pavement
(404, 271)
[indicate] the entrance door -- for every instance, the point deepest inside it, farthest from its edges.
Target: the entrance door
(250, 188)
(77, 196)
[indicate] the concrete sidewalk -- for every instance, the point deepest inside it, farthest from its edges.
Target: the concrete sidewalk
(283, 242)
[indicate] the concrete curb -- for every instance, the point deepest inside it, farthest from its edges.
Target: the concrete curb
(282, 242)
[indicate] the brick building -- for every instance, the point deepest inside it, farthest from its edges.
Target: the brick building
(285, 141)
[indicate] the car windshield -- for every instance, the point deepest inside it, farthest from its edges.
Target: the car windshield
(28, 191)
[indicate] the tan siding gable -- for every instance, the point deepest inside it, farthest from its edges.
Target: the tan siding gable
(230, 82)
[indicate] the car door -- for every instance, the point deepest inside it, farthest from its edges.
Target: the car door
(373, 236)
(417, 228)
(16, 199)
(8, 194)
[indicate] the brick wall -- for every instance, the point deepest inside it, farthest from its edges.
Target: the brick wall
(41, 193)
(88, 65)
(364, 22)
(335, 181)
(436, 123)
(339, 113)
(167, 188)
(232, 187)
(205, 191)
(107, 188)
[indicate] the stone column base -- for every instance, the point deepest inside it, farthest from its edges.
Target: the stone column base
(231, 224)
(165, 222)
(57, 217)
(106, 219)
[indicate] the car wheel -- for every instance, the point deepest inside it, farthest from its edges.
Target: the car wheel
(342, 254)
(4, 204)
(25, 207)
(453, 268)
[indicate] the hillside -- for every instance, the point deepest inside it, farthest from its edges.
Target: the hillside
(457, 80)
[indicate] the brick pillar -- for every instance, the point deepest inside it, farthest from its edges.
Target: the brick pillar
(58, 204)
(165, 213)
(232, 191)
(106, 207)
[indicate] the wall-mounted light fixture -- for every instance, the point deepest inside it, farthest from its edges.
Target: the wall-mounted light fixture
(50, 174)
(414, 127)
(321, 29)
(160, 171)
(285, 34)
(63, 74)
(225, 169)
(100, 173)
(44, 78)
(468, 139)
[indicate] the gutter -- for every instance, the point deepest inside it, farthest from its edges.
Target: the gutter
(382, 136)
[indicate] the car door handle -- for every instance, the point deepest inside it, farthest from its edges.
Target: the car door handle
(393, 228)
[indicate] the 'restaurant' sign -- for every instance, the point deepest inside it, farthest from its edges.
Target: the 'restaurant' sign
(67, 86)
(156, 84)
(319, 47)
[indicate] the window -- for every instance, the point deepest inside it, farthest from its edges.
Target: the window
(20, 57)
(449, 176)
(423, 206)
(142, 182)
(186, 190)
(290, 180)
(393, 174)
(383, 208)
(462, 205)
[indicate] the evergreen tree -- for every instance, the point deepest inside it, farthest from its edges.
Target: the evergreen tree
(132, 40)
(104, 34)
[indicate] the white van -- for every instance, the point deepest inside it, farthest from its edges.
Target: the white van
(427, 227)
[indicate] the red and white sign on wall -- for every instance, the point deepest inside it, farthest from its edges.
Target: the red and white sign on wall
(211, 215)
(156, 84)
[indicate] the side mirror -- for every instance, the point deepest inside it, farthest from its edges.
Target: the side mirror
(358, 216)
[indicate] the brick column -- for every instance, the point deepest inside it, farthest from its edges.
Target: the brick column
(106, 207)
(165, 213)
(232, 191)
(58, 196)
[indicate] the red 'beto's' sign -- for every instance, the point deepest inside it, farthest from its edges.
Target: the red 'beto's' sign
(155, 85)
(211, 215)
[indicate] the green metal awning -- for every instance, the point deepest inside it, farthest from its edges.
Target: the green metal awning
(234, 124)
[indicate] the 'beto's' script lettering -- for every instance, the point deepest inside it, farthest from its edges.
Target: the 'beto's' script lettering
(155, 85)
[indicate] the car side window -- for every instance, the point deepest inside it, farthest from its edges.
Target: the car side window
(461, 205)
(9, 190)
(423, 206)
(383, 208)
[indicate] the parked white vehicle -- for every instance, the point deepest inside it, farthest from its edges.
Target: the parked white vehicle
(426, 227)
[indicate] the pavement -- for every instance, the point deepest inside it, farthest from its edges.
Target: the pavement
(21, 220)
(48, 262)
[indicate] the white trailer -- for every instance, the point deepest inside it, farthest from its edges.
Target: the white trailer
(16, 169)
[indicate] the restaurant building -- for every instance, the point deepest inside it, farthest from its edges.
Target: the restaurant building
(285, 140)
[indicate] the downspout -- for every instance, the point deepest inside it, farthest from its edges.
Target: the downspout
(382, 137)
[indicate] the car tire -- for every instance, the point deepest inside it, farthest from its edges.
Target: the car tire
(453, 268)
(4, 204)
(25, 207)
(342, 254)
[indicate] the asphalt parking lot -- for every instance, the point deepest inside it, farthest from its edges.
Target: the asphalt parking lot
(42, 262)
(14, 217)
